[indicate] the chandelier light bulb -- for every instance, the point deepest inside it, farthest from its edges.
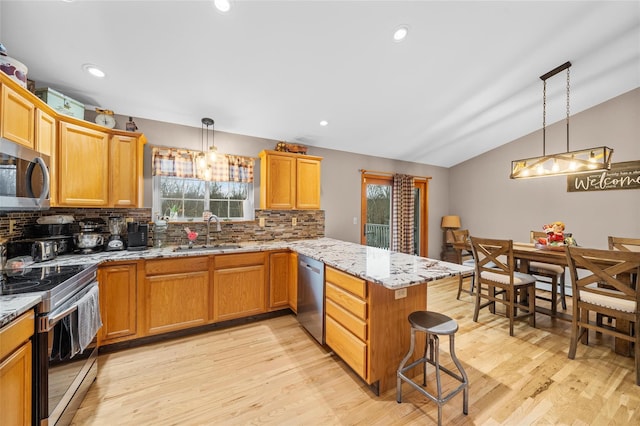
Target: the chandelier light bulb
(555, 167)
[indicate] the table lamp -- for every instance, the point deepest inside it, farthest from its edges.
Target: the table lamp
(448, 223)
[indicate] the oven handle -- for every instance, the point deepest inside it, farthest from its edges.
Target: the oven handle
(47, 323)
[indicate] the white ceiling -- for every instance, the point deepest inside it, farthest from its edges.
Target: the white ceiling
(465, 80)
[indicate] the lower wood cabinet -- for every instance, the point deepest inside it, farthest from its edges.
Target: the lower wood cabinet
(176, 294)
(279, 278)
(16, 370)
(118, 302)
(239, 285)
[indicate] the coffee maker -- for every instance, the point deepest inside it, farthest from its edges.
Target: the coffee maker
(137, 236)
(116, 229)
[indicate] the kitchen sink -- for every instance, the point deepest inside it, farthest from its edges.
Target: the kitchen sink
(216, 247)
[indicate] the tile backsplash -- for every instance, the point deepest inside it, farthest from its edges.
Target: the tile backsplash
(278, 225)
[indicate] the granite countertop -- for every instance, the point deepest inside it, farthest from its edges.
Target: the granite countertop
(390, 269)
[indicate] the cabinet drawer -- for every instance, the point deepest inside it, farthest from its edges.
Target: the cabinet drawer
(16, 333)
(348, 282)
(350, 322)
(347, 346)
(349, 302)
(222, 261)
(178, 265)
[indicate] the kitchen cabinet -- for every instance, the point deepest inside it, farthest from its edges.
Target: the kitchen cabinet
(16, 370)
(118, 302)
(293, 281)
(239, 285)
(176, 294)
(17, 115)
(366, 325)
(279, 280)
(289, 181)
(47, 143)
(83, 167)
(346, 308)
(125, 171)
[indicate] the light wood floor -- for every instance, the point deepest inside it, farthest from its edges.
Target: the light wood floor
(272, 372)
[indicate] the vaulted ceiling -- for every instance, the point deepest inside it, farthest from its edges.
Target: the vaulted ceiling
(465, 80)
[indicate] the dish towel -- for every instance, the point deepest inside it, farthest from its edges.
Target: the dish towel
(89, 321)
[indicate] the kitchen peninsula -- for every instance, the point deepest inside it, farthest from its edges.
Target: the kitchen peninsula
(389, 286)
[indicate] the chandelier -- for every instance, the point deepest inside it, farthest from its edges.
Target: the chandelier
(565, 163)
(207, 157)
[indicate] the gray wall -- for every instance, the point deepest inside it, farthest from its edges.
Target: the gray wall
(340, 185)
(492, 205)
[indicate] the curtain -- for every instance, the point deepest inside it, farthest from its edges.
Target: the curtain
(184, 163)
(403, 206)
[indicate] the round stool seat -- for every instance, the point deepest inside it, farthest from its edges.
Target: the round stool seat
(433, 322)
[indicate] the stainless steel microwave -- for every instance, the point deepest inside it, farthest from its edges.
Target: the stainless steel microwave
(24, 178)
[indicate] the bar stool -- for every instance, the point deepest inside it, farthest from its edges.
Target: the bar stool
(434, 324)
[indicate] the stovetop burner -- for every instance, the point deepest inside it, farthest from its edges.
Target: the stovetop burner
(39, 279)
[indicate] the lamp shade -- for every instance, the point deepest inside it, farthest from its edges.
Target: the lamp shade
(450, 222)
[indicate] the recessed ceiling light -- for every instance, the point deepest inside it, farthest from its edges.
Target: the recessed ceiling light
(324, 123)
(400, 33)
(222, 5)
(94, 70)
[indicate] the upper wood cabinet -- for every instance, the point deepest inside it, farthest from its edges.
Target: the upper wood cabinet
(289, 181)
(17, 117)
(125, 171)
(83, 167)
(47, 143)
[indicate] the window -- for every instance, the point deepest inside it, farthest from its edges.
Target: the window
(181, 191)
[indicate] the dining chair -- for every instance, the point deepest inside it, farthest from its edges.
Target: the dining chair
(624, 244)
(610, 288)
(465, 257)
(552, 275)
(496, 276)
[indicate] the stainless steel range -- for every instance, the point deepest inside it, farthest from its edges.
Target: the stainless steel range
(63, 370)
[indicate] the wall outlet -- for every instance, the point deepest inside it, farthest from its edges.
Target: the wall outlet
(355, 220)
(261, 222)
(12, 224)
(401, 293)
(294, 221)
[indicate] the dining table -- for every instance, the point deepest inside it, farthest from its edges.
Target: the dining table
(525, 253)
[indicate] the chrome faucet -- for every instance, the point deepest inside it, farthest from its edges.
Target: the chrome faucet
(218, 229)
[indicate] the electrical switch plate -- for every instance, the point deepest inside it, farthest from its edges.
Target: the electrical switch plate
(401, 293)
(261, 222)
(294, 221)
(355, 220)
(12, 224)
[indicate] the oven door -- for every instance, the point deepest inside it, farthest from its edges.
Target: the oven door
(64, 379)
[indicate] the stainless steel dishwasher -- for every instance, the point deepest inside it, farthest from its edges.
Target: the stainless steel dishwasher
(311, 296)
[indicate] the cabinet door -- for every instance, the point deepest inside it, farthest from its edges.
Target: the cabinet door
(123, 171)
(293, 281)
(83, 167)
(308, 184)
(17, 117)
(176, 301)
(47, 143)
(279, 280)
(278, 182)
(239, 292)
(118, 302)
(15, 387)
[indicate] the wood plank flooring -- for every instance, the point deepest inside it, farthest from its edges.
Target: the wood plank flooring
(272, 372)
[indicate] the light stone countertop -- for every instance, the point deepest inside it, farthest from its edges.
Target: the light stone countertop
(390, 269)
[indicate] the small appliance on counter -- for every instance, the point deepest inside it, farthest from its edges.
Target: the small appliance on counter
(137, 236)
(115, 241)
(89, 239)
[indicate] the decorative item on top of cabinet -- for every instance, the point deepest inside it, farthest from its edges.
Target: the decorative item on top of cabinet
(16, 370)
(289, 181)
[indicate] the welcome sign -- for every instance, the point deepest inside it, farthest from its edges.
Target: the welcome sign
(621, 176)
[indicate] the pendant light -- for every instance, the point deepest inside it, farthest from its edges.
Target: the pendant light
(565, 163)
(209, 154)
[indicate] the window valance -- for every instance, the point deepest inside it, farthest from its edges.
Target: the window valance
(183, 163)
